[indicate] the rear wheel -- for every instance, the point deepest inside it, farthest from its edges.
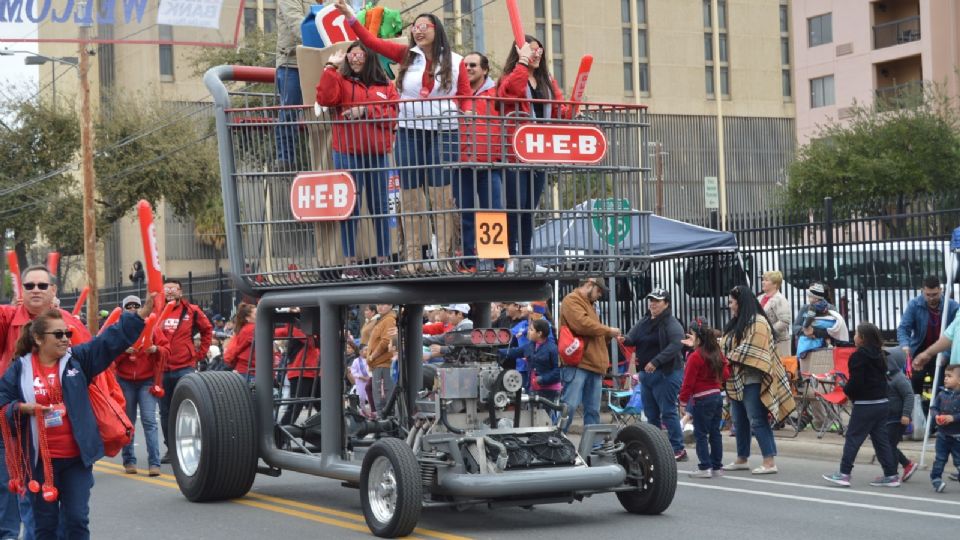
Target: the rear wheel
(390, 489)
(213, 433)
(651, 467)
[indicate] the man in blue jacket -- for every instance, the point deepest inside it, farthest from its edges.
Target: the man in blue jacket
(920, 328)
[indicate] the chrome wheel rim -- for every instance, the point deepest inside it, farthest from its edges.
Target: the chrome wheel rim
(188, 437)
(382, 489)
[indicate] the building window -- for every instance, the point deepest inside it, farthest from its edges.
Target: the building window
(642, 61)
(821, 92)
(553, 26)
(463, 37)
(723, 51)
(165, 33)
(250, 16)
(820, 29)
(785, 51)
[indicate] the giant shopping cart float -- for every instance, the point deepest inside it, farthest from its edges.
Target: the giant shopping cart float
(467, 435)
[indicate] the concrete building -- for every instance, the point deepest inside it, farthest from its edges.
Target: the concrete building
(655, 52)
(870, 52)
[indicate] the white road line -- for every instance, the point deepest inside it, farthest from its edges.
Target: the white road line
(837, 489)
(821, 501)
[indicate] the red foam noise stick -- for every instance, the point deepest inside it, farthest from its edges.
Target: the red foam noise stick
(151, 257)
(157, 389)
(53, 262)
(14, 265)
(111, 319)
(516, 23)
(580, 84)
(145, 341)
(80, 301)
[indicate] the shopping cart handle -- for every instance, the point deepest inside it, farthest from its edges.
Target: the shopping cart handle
(215, 77)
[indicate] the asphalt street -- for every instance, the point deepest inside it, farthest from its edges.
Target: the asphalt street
(794, 504)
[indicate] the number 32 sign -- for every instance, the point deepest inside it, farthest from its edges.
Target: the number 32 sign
(491, 231)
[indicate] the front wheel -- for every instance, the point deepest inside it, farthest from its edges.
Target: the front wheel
(648, 459)
(390, 489)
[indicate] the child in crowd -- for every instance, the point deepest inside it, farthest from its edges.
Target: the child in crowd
(360, 373)
(542, 358)
(900, 407)
(867, 390)
(946, 409)
(702, 394)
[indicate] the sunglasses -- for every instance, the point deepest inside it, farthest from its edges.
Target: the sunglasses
(422, 27)
(536, 52)
(471, 64)
(357, 55)
(28, 286)
(131, 306)
(60, 334)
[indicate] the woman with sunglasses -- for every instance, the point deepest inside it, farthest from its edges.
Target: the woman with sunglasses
(365, 109)
(525, 82)
(48, 382)
(428, 135)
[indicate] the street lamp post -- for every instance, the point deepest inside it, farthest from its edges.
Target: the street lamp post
(39, 60)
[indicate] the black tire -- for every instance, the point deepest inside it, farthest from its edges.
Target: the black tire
(228, 453)
(651, 467)
(404, 485)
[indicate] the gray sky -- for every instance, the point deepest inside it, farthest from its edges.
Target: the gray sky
(12, 70)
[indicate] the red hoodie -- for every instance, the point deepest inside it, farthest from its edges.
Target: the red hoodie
(513, 86)
(239, 354)
(699, 380)
(359, 136)
(307, 362)
(12, 321)
(481, 132)
(178, 330)
(141, 365)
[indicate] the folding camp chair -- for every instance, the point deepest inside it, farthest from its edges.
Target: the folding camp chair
(624, 408)
(832, 397)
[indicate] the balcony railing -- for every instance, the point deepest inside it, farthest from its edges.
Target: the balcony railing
(896, 32)
(900, 96)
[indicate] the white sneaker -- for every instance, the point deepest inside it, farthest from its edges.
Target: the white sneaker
(700, 473)
(717, 473)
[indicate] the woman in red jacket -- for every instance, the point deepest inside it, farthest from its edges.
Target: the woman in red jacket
(526, 79)
(365, 112)
(702, 395)
(239, 354)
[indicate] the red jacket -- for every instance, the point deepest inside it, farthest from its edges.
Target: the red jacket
(307, 362)
(141, 365)
(239, 354)
(178, 330)
(481, 134)
(513, 86)
(436, 328)
(352, 136)
(699, 378)
(14, 318)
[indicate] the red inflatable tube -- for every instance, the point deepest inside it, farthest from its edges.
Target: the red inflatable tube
(145, 341)
(157, 389)
(151, 257)
(580, 84)
(516, 23)
(14, 265)
(80, 301)
(53, 262)
(111, 319)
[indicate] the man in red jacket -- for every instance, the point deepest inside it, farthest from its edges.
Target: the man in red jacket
(183, 322)
(39, 292)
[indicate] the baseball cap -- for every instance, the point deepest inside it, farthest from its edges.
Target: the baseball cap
(431, 307)
(539, 307)
(462, 308)
(660, 294)
(817, 290)
(132, 299)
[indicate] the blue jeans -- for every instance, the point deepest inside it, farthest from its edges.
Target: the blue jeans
(370, 174)
(581, 387)
(476, 190)
(659, 394)
(750, 415)
(707, 412)
(170, 380)
(288, 86)
(9, 510)
(419, 154)
(137, 393)
(73, 480)
(946, 446)
(524, 189)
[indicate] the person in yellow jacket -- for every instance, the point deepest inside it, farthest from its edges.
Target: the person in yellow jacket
(380, 355)
(582, 384)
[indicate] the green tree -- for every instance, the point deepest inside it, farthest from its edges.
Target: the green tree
(38, 147)
(880, 153)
